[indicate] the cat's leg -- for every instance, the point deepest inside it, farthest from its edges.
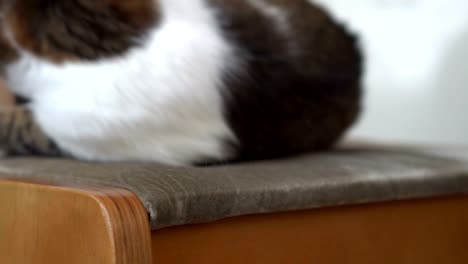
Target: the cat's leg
(21, 135)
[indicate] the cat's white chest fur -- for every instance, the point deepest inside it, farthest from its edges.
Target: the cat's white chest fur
(160, 102)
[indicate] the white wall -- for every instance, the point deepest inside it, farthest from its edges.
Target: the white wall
(417, 67)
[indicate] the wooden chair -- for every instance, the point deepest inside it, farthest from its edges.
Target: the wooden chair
(353, 205)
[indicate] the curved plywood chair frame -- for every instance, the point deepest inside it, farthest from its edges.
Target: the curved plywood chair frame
(48, 223)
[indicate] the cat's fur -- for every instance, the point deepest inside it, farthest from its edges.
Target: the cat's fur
(178, 81)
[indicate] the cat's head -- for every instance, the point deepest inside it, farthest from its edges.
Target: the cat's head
(61, 30)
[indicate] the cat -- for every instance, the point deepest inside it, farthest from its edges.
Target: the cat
(177, 82)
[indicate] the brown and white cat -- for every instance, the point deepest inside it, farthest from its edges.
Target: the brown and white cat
(179, 82)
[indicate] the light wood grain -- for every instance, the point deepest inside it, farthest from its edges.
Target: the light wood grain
(433, 231)
(51, 224)
(45, 224)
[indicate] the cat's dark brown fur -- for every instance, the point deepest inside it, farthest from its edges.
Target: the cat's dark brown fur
(80, 29)
(7, 53)
(299, 97)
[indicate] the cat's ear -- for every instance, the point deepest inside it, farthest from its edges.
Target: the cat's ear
(61, 30)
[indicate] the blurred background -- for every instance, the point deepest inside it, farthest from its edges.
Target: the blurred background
(417, 68)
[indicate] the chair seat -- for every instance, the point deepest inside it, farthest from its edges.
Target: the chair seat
(349, 175)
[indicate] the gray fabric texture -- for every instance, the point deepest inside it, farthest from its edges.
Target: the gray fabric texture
(346, 176)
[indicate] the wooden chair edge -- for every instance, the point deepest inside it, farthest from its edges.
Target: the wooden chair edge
(105, 225)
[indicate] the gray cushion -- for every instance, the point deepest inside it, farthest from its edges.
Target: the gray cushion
(349, 175)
